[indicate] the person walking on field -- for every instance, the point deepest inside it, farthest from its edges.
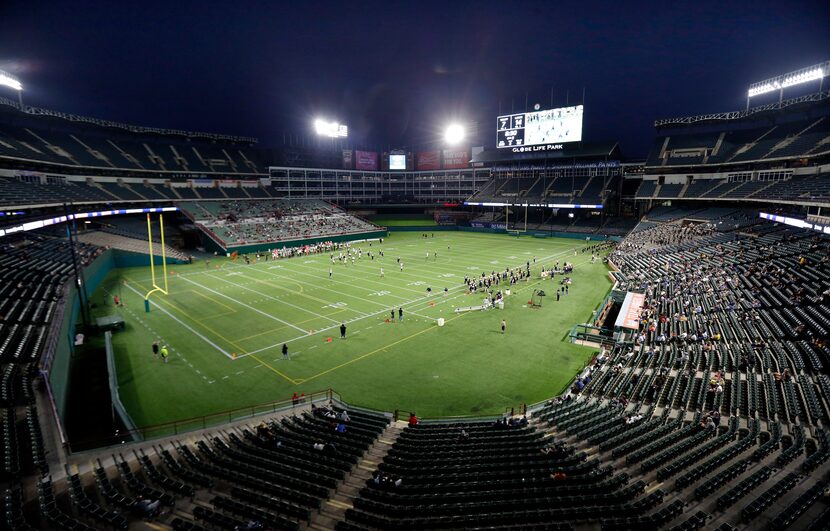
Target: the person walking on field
(165, 355)
(400, 314)
(155, 349)
(392, 316)
(285, 354)
(343, 331)
(503, 325)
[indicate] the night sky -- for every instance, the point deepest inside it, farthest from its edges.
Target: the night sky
(397, 72)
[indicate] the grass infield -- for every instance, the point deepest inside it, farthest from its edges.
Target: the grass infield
(225, 323)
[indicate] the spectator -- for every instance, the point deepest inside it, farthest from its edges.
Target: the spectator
(146, 507)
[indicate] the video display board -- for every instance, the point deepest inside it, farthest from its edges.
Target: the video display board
(397, 161)
(549, 127)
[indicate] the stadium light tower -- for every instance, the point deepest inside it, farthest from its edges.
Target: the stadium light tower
(330, 129)
(8, 80)
(798, 77)
(454, 134)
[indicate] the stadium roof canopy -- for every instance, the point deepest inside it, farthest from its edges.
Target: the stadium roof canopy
(808, 101)
(609, 150)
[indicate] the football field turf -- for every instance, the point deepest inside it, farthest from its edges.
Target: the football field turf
(225, 323)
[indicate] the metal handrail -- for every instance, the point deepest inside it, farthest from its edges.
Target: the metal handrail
(176, 427)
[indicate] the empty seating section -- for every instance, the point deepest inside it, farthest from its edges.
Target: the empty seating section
(646, 189)
(239, 222)
(133, 243)
(670, 191)
(806, 136)
(33, 274)
(485, 474)
(272, 475)
(16, 192)
(681, 149)
(549, 185)
(43, 140)
(780, 157)
(700, 186)
(715, 219)
(797, 188)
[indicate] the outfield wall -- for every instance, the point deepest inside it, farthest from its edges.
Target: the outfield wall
(94, 274)
(423, 228)
(490, 230)
(115, 395)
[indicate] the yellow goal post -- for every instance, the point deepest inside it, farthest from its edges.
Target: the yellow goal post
(156, 287)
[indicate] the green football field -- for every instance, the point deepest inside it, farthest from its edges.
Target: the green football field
(225, 323)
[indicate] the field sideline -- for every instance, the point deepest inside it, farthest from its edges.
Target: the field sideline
(225, 323)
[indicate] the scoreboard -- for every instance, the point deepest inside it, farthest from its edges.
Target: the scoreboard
(550, 127)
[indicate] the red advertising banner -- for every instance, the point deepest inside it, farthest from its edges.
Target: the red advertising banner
(428, 160)
(347, 159)
(366, 160)
(455, 159)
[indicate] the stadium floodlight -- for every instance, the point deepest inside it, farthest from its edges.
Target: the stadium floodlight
(330, 129)
(454, 134)
(8, 80)
(779, 83)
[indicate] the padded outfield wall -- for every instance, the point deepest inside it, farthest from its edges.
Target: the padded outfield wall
(493, 230)
(94, 274)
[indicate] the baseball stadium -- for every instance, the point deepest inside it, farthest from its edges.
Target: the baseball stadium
(360, 320)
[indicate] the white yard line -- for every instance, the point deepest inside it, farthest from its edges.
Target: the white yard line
(340, 293)
(257, 310)
(387, 307)
(415, 302)
(306, 310)
(170, 315)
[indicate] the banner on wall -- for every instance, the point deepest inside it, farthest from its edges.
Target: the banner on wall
(488, 225)
(455, 159)
(347, 159)
(428, 160)
(366, 160)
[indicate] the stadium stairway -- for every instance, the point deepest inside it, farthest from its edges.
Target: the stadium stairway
(333, 510)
